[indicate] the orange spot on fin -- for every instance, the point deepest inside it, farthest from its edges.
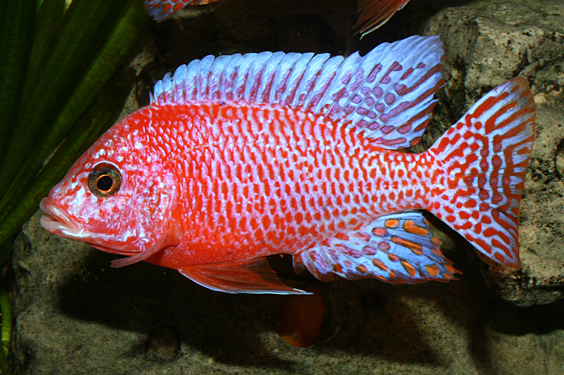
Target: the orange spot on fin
(413, 246)
(409, 268)
(451, 269)
(379, 264)
(392, 223)
(433, 270)
(411, 227)
(380, 232)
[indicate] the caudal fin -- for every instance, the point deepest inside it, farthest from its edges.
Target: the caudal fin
(484, 158)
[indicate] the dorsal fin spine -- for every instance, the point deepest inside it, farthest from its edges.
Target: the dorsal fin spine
(298, 76)
(283, 71)
(179, 78)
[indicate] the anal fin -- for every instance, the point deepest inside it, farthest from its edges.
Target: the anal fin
(397, 249)
(243, 276)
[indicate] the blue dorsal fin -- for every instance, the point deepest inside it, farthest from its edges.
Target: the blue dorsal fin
(387, 94)
(398, 248)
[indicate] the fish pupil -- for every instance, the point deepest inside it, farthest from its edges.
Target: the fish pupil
(105, 183)
(104, 180)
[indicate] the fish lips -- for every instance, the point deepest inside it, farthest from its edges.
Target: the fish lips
(57, 222)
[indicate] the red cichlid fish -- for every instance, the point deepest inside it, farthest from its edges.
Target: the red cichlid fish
(244, 156)
(371, 13)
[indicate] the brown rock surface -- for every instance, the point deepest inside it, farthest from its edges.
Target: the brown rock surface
(488, 43)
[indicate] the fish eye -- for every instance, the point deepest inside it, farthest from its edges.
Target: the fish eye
(104, 180)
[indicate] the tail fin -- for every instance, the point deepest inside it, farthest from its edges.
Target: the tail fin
(484, 157)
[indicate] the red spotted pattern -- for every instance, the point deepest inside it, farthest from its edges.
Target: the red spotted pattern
(484, 160)
(255, 185)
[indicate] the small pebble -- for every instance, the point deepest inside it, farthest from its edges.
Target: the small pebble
(163, 344)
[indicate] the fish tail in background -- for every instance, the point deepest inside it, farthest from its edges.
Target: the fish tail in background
(162, 10)
(484, 157)
(372, 14)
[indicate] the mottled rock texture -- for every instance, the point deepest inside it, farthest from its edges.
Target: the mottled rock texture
(487, 43)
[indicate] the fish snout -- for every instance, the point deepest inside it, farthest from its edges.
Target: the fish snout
(56, 221)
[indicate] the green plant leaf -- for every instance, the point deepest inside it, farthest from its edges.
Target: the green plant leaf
(86, 26)
(48, 26)
(17, 20)
(92, 41)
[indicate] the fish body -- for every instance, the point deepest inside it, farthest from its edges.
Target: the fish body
(245, 156)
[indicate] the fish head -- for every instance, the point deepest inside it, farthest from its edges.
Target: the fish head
(114, 198)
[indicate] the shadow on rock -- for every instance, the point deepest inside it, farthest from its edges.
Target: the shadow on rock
(141, 297)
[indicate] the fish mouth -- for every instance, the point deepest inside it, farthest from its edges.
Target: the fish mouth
(57, 222)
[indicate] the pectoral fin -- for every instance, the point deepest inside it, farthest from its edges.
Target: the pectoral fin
(172, 238)
(243, 276)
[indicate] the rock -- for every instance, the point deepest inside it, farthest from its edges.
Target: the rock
(163, 344)
(488, 43)
(541, 231)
